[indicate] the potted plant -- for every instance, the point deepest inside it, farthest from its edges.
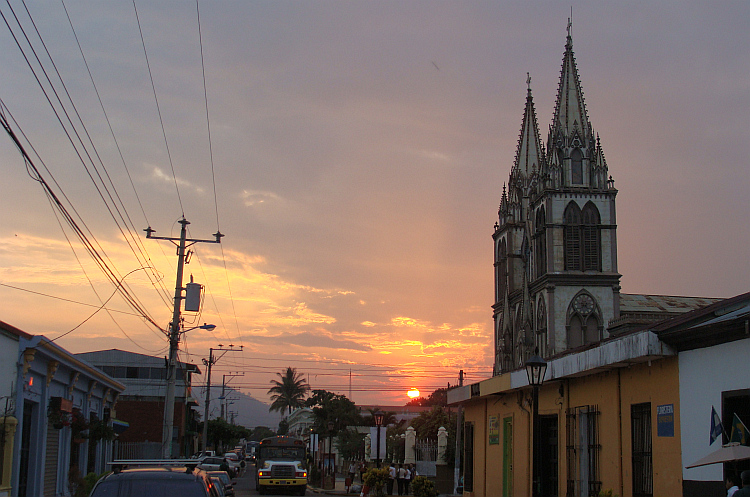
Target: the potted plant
(79, 425)
(100, 430)
(59, 419)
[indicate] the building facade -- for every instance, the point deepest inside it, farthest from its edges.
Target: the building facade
(631, 379)
(61, 406)
(141, 404)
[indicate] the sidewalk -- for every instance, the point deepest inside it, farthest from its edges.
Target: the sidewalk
(340, 489)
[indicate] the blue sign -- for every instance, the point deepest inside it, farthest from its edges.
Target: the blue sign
(665, 420)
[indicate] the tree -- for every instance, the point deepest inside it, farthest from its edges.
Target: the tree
(389, 418)
(224, 434)
(351, 444)
(427, 425)
(261, 432)
(283, 427)
(330, 407)
(290, 392)
(437, 398)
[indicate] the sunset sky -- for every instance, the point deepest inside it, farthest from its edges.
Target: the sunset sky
(359, 151)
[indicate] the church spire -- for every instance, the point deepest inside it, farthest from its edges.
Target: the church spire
(529, 153)
(570, 116)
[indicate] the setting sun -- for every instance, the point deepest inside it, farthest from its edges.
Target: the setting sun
(413, 393)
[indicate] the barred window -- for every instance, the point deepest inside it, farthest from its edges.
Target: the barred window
(643, 471)
(583, 451)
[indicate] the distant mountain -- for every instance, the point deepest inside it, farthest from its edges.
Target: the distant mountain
(250, 412)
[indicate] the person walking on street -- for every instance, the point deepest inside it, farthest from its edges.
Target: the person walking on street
(391, 479)
(401, 478)
(407, 479)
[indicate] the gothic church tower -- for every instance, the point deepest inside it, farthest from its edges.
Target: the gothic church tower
(555, 245)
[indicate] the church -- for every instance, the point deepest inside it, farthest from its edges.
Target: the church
(628, 381)
(557, 285)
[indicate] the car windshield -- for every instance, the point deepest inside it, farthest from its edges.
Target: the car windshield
(156, 487)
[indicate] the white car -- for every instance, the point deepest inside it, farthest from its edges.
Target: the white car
(212, 463)
(234, 462)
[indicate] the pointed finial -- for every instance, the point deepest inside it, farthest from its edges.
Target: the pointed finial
(570, 24)
(528, 80)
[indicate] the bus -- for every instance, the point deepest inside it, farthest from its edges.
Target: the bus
(281, 464)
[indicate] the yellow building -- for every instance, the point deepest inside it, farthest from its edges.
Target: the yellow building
(609, 420)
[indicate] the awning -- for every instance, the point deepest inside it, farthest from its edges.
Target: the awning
(119, 426)
(728, 453)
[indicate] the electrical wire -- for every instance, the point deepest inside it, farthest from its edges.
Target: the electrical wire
(158, 109)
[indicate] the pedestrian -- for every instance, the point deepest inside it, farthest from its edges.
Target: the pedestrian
(407, 479)
(362, 469)
(745, 490)
(391, 479)
(401, 478)
(731, 484)
(352, 471)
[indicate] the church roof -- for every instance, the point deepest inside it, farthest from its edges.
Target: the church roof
(637, 303)
(570, 109)
(529, 154)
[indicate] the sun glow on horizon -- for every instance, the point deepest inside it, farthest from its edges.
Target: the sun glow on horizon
(413, 393)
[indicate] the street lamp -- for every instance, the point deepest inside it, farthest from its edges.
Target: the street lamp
(535, 370)
(331, 471)
(378, 422)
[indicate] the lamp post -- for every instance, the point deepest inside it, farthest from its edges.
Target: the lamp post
(378, 423)
(535, 370)
(330, 471)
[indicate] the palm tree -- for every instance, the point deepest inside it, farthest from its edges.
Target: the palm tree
(290, 392)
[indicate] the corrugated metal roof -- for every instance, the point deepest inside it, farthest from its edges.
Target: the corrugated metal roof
(639, 303)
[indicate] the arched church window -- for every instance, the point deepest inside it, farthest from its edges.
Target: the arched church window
(591, 333)
(590, 235)
(541, 329)
(502, 270)
(583, 321)
(575, 332)
(576, 166)
(572, 237)
(541, 243)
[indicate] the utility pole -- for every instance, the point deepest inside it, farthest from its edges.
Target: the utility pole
(174, 328)
(459, 436)
(223, 389)
(208, 363)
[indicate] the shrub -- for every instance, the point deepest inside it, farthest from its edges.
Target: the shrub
(375, 479)
(423, 487)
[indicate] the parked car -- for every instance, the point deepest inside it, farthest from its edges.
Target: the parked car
(212, 463)
(155, 482)
(226, 481)
(219, 487)
(234, 462)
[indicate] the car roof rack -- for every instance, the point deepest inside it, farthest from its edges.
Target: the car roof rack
(120, 464)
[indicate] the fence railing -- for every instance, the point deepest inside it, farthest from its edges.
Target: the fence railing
(426, 450)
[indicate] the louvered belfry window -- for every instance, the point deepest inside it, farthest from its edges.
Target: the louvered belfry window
(572, 233)
(582, 240)
(590, 229)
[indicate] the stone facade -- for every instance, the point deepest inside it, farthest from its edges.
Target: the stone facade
(556, 278)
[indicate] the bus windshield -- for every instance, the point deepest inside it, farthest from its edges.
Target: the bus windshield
(290, 453)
